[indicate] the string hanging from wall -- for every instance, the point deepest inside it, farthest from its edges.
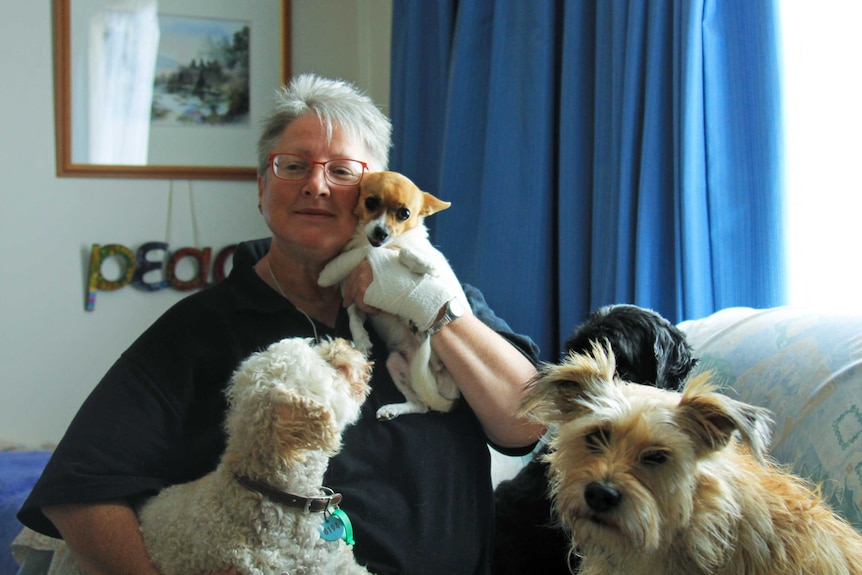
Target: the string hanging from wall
(138, 267)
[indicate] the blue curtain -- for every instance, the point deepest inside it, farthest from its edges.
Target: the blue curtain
(596, 152)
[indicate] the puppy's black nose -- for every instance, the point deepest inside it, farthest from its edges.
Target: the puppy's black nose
(601, 497)
(380, 235)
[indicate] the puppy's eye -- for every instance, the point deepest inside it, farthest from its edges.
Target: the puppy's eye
(372, 203)
(596, 441)
(403, 214)
(654, 457)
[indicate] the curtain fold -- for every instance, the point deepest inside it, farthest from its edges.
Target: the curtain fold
(123, 48)
(596, 152)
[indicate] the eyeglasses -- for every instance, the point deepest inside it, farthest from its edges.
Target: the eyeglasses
(341, 171)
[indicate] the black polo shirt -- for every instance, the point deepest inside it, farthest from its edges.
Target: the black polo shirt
(417, 489)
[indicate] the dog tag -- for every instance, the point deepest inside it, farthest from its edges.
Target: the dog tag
(337, 526)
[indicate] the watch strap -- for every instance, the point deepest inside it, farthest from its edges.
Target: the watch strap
(448, 317)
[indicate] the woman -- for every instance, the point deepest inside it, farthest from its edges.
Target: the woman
(417, 488)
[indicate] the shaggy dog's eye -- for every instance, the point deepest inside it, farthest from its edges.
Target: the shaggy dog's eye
(372, 203)
(403, 214)
(597, 440)
(655, 457)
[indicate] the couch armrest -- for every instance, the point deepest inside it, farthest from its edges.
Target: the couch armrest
(806, 367)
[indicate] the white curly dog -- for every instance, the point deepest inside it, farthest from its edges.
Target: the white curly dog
(264, 511)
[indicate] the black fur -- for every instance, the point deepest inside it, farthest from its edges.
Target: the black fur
(649, 350)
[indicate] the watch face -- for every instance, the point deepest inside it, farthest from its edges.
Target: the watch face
(457, 308)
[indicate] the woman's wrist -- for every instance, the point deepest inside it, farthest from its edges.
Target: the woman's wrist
(453, 309)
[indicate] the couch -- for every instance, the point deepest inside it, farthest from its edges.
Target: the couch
(804, 365)
(20, 466)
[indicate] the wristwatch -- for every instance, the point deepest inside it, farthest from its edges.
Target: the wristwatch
(454, 309)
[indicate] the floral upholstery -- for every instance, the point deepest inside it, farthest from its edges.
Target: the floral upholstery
(806, 367)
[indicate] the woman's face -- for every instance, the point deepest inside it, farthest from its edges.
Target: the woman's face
(311, 218)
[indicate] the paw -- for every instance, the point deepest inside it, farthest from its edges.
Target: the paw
(415, 263)
(361, 339)
(362, 342)
(328, 277)
(387, 413)
(393, 410)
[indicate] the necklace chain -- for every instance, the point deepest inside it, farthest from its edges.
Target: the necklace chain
(281, 291)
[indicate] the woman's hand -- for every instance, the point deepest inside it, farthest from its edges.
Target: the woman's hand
(356, 285)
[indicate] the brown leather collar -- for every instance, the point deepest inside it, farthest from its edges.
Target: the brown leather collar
(307, 504)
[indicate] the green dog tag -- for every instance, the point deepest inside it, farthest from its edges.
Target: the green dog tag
(337, 526)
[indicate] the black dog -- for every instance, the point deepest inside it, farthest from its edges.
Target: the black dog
(649, 350)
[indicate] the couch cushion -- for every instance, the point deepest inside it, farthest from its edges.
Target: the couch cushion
(806, 367)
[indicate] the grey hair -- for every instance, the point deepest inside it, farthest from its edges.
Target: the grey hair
(335, 102)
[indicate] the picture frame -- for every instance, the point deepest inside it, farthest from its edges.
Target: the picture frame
(173, 89)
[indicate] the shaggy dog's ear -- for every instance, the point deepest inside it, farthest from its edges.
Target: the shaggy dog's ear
(300, 424)
(712, 419)
(557, 393)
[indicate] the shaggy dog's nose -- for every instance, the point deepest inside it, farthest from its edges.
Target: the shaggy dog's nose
(601, 497)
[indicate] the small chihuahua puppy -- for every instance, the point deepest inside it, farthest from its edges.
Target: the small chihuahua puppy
(391, 211)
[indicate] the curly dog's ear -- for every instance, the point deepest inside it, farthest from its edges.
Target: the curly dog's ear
(351, 365)
(300, 424)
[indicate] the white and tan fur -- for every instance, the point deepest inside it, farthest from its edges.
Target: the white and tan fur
(655, 482)
(287, 408)
(391, 211)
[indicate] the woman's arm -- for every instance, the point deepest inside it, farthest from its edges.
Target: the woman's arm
(104, 538)
(491, 374)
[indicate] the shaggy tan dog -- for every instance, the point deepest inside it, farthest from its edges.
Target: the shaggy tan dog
(264, 509)
(654, 482)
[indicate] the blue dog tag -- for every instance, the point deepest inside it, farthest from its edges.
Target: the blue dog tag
(337, 526)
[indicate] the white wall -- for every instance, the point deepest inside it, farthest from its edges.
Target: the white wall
(52, 352)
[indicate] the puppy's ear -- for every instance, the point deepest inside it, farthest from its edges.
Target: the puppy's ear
(712, 418)
(559, 393)
(431, 205)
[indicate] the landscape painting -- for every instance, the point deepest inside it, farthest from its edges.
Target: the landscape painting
(202, 72)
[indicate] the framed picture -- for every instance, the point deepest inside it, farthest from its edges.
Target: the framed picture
(170, 89)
